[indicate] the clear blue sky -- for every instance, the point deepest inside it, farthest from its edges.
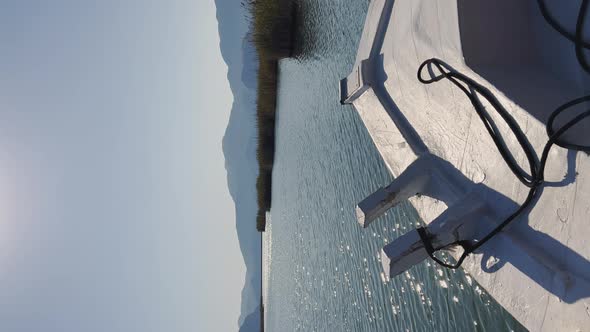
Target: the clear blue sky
(114, 208)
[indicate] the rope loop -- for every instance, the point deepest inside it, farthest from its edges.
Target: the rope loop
(535, 179)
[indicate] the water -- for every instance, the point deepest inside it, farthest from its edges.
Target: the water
(322, 269)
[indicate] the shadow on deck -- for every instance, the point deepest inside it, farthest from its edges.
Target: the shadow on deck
(517, 69)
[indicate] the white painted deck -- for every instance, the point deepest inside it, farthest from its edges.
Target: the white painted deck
(538, 268)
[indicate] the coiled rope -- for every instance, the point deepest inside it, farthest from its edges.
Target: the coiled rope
(534, 179)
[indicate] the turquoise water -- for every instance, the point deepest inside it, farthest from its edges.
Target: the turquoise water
(323, 269)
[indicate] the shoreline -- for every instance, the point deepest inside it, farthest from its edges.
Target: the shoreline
(274, 31)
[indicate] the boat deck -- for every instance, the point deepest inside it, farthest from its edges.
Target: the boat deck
(538, 268)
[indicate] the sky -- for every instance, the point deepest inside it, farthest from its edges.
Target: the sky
(114, 208)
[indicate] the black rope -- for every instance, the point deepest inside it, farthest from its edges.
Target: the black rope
(535, 178)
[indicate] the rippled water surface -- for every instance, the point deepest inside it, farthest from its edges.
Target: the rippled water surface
(322, 269)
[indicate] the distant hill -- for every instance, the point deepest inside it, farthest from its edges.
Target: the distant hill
(239, 148)
(252, 322)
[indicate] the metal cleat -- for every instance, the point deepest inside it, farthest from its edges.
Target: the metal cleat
(424, 176)
(458, 223)
(352, 87)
